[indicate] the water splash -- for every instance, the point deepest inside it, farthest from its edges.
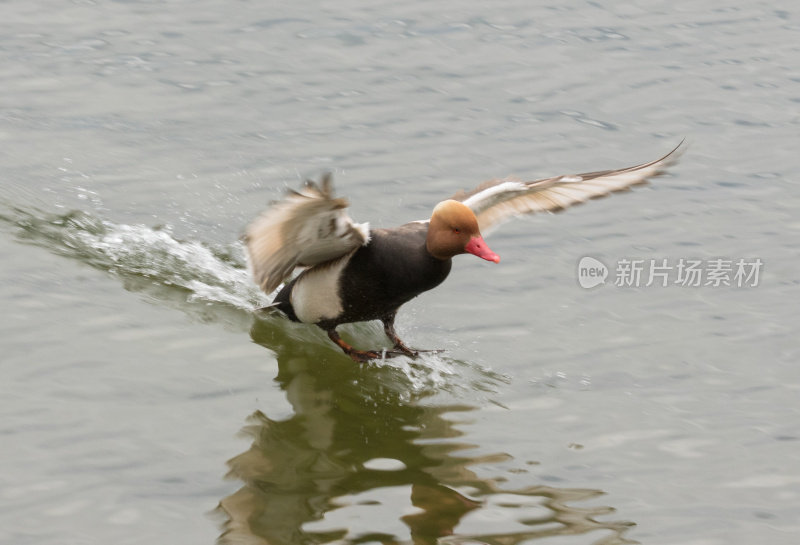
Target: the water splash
(216, 274)
(436, 372)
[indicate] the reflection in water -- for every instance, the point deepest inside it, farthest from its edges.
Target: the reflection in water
(365, 455)
(366, 458)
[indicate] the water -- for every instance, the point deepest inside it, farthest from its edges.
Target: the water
(139, 139)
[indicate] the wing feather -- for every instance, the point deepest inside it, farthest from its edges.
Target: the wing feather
(306, 228)
(496, 201)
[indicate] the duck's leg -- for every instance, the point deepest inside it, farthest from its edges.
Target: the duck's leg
(359, 355)
(388, 328)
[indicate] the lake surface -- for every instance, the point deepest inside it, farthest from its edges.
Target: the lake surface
(143, 400)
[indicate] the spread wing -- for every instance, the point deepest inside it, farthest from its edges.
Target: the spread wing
(496, 201)
(307, 227)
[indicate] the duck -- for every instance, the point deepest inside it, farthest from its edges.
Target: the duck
(351, 273)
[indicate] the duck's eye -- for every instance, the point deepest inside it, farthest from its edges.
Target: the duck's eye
(456, 230)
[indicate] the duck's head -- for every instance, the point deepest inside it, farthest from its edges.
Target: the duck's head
(454, 230)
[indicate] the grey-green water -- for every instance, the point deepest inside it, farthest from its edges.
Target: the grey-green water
(137, 139)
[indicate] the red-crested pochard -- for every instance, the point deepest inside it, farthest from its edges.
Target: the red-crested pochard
(354, 274)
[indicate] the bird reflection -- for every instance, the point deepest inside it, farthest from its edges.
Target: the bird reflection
(366, 457)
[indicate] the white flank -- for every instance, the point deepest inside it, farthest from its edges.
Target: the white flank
(315, 296)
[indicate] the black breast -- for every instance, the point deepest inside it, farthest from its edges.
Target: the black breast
(392, 269)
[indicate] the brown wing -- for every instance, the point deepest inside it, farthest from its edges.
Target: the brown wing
(306, 228)
(497, 201)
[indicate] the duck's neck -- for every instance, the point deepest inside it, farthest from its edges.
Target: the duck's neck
(435, 244)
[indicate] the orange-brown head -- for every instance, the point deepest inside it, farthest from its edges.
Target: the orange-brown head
(454, 230)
